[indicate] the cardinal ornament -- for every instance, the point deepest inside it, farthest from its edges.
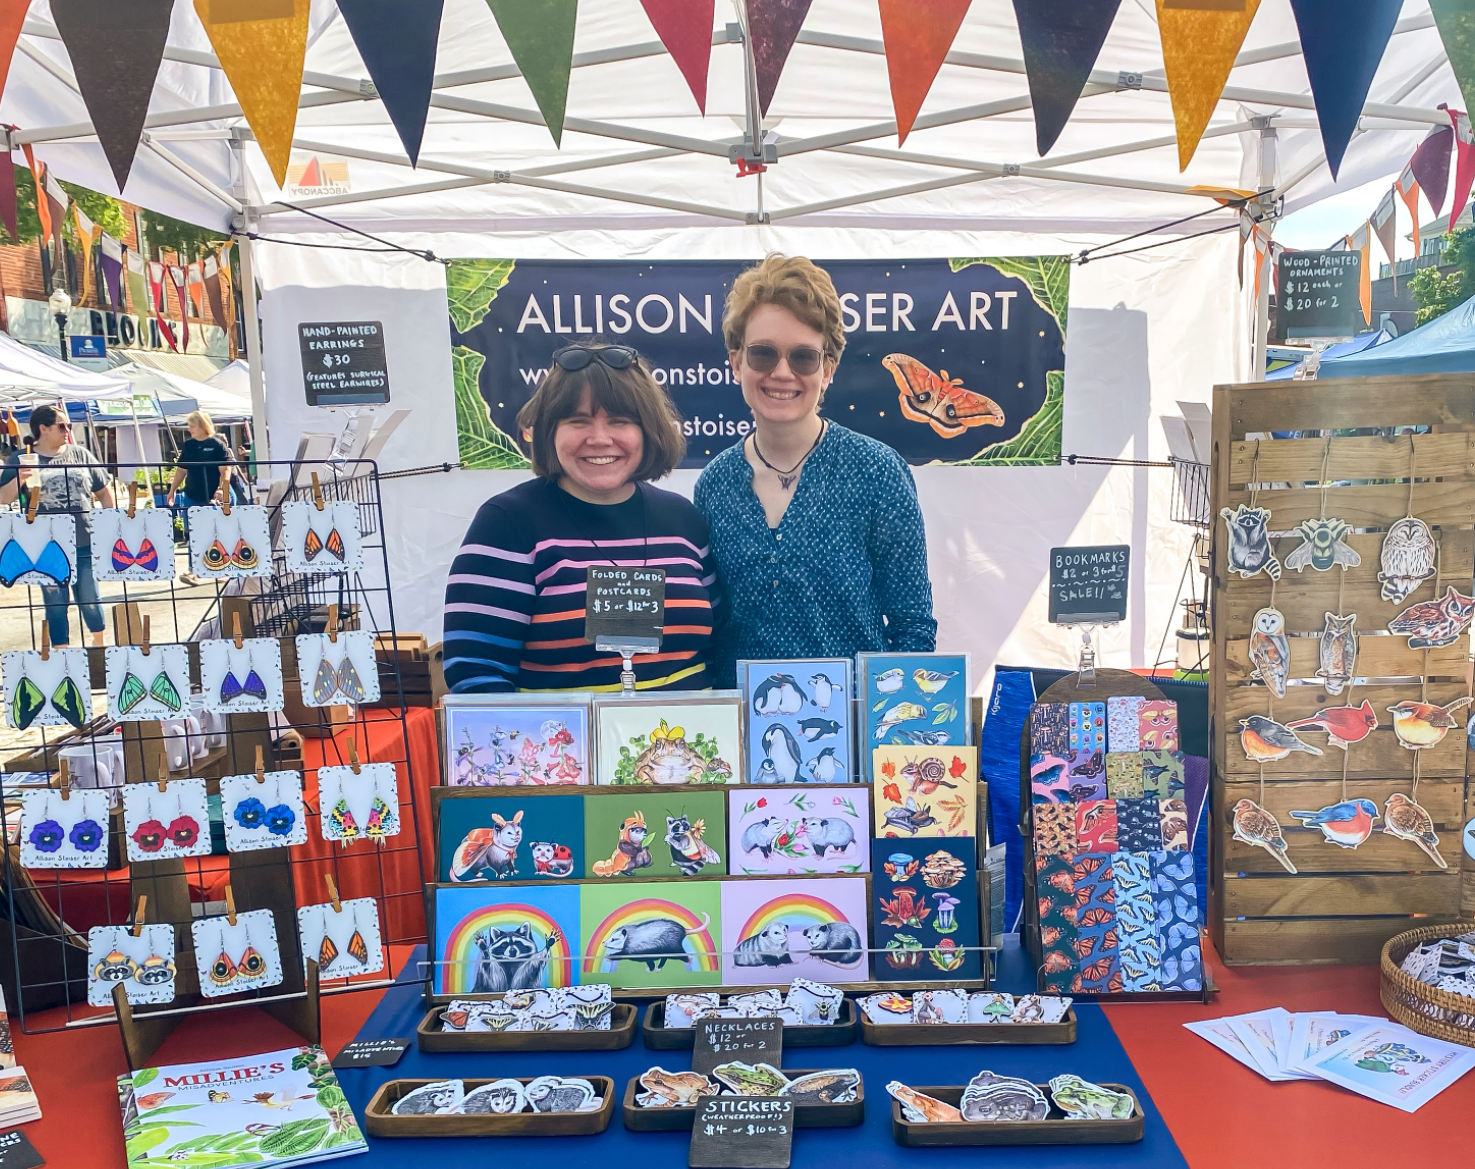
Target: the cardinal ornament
(1407, 560)
(1255, 826)
(1408, 821)
(1338, 651)
(1323, 546)
(1249, 542)
(1435, 624)
(1270, 651)
(1343, 724)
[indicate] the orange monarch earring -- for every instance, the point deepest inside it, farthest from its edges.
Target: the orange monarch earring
(357, 949)
(327, 952)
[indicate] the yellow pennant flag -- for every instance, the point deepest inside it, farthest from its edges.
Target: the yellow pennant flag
(261, 45)
(1199, 48)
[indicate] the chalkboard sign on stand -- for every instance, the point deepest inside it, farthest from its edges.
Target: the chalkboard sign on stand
(742, 1132)
(750, 1041)
(1088, 585)
(1320, 295)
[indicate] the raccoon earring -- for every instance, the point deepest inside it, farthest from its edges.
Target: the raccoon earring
(1407, 559)
(1323, 545)
(116, 966)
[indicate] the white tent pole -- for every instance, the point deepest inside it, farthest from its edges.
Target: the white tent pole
(1269, 165)
(261, 448)
(138, 437)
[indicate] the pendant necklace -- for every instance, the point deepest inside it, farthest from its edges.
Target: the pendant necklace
(787, 479)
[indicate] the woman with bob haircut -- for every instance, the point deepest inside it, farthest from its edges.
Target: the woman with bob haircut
(817, 530)
(601, 429)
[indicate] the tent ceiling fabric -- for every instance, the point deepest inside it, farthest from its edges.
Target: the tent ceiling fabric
(636, 152)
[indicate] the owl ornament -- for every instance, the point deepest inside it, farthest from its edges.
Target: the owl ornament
(1435, 624)
(1322, 546)
(1338, 651)
(1407, 560)
(1270, 652)
(1249, 542)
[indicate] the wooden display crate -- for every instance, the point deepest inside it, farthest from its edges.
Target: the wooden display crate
(1342, 904)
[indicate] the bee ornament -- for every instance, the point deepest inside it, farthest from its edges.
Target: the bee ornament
(1323, 546)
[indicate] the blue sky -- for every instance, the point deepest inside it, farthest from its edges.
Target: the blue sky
(1322, 224)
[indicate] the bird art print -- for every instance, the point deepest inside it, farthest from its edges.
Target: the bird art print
(1323, 547)
(1267, 741)
(1421, 725)
(1435, 624)
(1270, 652)
(1338, 651)
(1343, 725)
(1249, 542)
(1407, 559)
(1408, 821)
(1348, 823)
(1255, 826)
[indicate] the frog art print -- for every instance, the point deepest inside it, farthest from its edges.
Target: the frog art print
(663, 744)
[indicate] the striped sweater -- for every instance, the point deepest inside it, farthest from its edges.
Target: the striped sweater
(515, 598)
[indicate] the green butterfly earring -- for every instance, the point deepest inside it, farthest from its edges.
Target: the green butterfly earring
(27, 702)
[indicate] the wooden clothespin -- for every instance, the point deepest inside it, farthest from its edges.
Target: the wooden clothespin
(332, 624)
(317, 493)
(163, 772)
(333, 893)
(144, 648)
(230, 905)
(260, 765)
(132, 499)
(353, 755)
(45, 642)
(143, 900)
(235, 630)
(35, 503)
(64, 782)
(225, 490)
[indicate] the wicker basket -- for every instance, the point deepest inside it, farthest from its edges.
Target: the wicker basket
(1415, 1004)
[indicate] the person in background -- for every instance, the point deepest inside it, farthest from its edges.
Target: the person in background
(601, 429)
(817, 530)
(68, 477)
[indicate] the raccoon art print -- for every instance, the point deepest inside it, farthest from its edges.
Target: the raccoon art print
(511, 959)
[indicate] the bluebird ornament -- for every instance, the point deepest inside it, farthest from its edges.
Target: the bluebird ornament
(1270, 651)
(1347, 824)
(1338, 651)
(1323, 547)
(1407, 558)
(1249, 542)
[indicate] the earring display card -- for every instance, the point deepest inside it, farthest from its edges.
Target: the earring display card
(144, 965)
(345, 942)
(50, 692)
(69, 833)
(223, 546)
(799, 723)
(166, 825)
(241, 681)
(359, 806)
(39, 553)
(322, 541)
(236, 958)
(147, 687)
(341, 673)
(263, 815)
(141, 548)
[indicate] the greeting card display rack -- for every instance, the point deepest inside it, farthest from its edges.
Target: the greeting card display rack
(43, 946)
(1341, 904)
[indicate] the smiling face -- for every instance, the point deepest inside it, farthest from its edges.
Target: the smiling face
(780, 396)
(598, 452)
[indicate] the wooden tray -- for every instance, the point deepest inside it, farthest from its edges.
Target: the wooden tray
(838, 1034)
(380, 1122)
(1055, 1129)
(431, 1035)
(947, 1035)
(639, 1119)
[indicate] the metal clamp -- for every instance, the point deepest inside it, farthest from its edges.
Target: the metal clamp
(1129, 81)
(1011, 169)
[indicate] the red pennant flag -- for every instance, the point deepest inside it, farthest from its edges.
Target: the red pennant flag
(1464, 165)
(773, 26)
(918, 35)
(1408, 190)
(1430, 164)
(12, 16)
(1385, 227)
(685, 28)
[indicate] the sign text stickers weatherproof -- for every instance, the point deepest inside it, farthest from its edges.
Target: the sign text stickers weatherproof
(1088, 585)
(742, 1132)
(343, 363)
(1320, 294)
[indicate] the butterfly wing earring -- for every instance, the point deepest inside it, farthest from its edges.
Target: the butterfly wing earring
(252, 965)
(358, 949)
(27, 703)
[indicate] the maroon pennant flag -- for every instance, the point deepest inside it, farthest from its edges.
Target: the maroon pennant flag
(8, 198)
(773, 26)
(685, 28)
(1430, 164)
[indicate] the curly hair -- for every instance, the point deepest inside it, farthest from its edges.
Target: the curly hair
(795, 283)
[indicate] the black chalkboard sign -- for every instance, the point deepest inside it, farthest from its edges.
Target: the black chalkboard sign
(1088, 585)
(17, 1152)
(624, 605)
(1320, 294)
(343, 363)
(742, 1040)
(366, 1053)
(742, 1132)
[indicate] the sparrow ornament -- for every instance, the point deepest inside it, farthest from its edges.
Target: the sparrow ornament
(1254, 825)
(1406, 820)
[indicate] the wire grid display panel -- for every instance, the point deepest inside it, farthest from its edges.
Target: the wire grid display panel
(43, 948)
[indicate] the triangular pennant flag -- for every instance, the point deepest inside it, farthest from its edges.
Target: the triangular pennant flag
(397, 40)
(540, 36)
(1062, 39)
(9, 199)
(116, 47)
(685, 28)
(12, 16)
(1430, 165)
(1464, 165)
(1408, 190)
(773, 26)
(1361, 240)
(1456, 22)
(1385, 227)
(1342, 44)
(918, 35)
(262, 60)
(1199, 48)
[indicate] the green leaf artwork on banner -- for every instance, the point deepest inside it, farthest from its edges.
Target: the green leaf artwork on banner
(1038, 444)
(143, 1077)
(1047, 277)
(483, 446)
(471, 286)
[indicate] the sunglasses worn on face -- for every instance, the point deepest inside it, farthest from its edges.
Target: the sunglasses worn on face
(576, 357)
(803, 360)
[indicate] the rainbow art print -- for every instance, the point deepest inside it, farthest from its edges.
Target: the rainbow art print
(650, 934)
(490, 939)
(777, 930)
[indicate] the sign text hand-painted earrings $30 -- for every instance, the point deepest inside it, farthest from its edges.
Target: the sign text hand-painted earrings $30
(1270, 651)
(1249, 542)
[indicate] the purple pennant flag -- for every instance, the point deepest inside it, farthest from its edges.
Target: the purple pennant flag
(111, 258)
(1061, 39)
(1430, 165)
(773, 26)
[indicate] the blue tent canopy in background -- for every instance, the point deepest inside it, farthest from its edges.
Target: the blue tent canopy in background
(1358, 344)
(1445, 345)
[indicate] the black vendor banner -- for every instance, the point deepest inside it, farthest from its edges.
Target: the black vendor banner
(948, 361)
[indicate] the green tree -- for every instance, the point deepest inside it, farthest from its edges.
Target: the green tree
(1436, 294)
(187, 240)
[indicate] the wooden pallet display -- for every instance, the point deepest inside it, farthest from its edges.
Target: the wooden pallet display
(1342, 904)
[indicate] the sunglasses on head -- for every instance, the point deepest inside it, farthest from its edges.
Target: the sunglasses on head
(803, 360)
(576, 357)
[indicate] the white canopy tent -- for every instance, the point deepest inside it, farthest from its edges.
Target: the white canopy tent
(640, 174)
(163, 386)
(30, 376)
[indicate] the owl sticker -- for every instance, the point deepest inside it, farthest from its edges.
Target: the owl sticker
(1249, 542)
(1408, 559)
(1338, 651)
(1323, 547)
(1270, 651)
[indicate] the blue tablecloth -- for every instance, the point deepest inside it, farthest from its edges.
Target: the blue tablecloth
(1096, 1055)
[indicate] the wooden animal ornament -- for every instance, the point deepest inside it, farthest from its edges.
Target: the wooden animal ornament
(1338, 651)
(1249, 542)
(1407, 559)
(1421, 725)
(1435, 624)
(1266, 741)
(1408, 821)
(1343, 724)
(1270, 651)
(1323, 546)
(1255, 826)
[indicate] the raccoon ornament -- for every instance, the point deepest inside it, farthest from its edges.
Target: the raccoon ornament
(1249, 541)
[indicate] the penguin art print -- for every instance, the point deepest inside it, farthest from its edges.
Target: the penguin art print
(781, 750)
(1338, 651)
(1249, 542)
(778, 694)
(822, 692)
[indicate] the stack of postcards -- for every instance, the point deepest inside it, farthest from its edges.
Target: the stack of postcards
(18, 1103)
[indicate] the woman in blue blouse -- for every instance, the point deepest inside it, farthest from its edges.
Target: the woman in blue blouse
(816, 529)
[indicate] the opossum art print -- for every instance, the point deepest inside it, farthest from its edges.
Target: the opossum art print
(798, 831)
(799, 928)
